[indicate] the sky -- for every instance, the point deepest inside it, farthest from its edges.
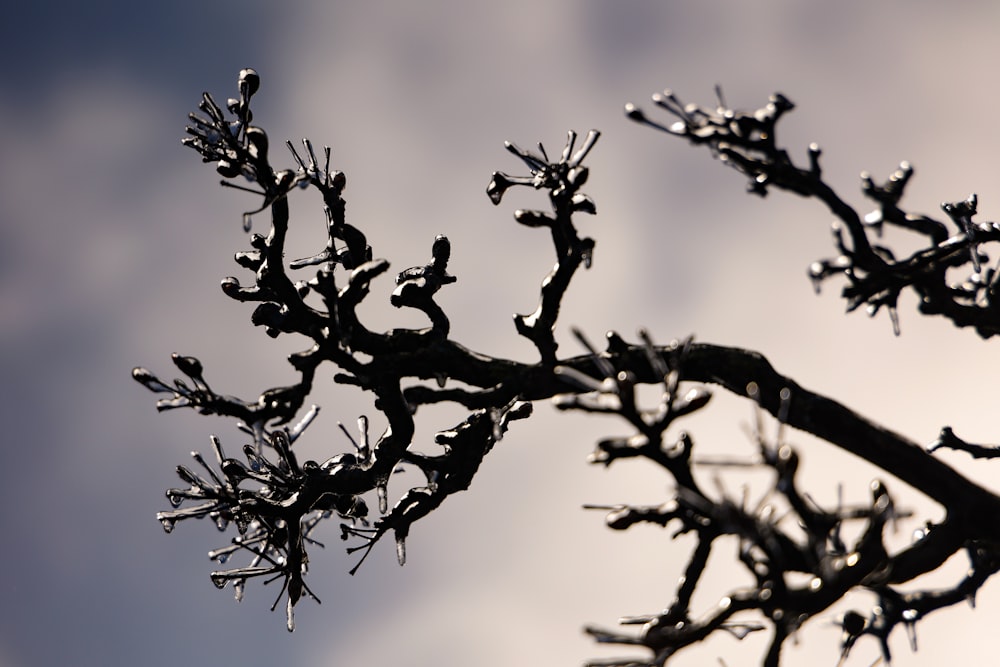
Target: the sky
(113, 238)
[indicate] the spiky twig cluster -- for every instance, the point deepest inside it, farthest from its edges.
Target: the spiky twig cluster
(563, 180)
(747, 141)
(274, 502)
(775, 544)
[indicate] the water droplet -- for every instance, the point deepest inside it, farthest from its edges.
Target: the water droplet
(220, 579)
(168, 523)
(175, 499)
(239, 587)
(441, 378)
(291, 617)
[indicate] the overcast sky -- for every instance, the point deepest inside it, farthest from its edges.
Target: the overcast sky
(113, 238)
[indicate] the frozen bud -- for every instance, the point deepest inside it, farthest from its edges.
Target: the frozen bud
(187, 365)
(498, 186)
(142, 375)
(781, 103)
(584, 204)
(441, 252)
(441, 247)
(577, 176)
(269, 314)
(533, 218)
(249, 259)
(150, 381)
(249, 82)
(338, 180)
(227, 169)
(635, 113)
(231, 287)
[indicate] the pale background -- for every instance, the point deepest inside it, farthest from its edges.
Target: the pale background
(113, 239)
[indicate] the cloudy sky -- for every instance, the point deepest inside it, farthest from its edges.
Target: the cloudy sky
(113, 238)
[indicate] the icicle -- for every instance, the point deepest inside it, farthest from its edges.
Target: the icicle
(382, 488)
(910, 622)
(401, 549)
(816, 271)
(296, 431)
(894, 317)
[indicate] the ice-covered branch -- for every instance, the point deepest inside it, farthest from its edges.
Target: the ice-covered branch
(792, 549)
(747, 141)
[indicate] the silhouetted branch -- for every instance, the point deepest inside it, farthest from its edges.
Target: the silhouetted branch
(792, 548)
(747, 141)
